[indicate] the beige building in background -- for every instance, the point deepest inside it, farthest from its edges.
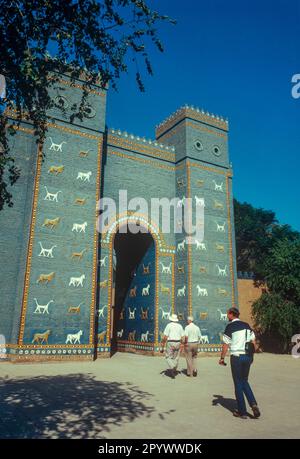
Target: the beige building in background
(248, 293)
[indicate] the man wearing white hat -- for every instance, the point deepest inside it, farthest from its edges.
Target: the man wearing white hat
(192, 338)
(173, 337)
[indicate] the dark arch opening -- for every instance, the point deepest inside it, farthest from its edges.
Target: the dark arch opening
(129, 250)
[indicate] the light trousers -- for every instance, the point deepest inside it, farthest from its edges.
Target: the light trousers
(191, 352)
(172, 354)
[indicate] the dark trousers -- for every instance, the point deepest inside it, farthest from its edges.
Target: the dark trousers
(240, 367)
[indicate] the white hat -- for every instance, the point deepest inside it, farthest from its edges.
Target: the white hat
(191, 318)
(173, 318)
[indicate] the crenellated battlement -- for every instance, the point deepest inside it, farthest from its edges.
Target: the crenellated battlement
(140, 140)
(194, 113)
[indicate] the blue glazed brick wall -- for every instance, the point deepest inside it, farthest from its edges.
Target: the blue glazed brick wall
(209, 140)
(65, 221)
(73, 234)
(95, 102)
(212, 273)
(233, 243)
(138, 178)
(181, 261)
(14, 224)
(67, 188)
(166, 288)
(147, 180)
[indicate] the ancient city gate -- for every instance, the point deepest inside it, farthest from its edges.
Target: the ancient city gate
(132, 320)
(69, 292)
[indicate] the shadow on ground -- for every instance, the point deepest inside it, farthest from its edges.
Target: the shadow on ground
(168, 373)
(227, 403)
(71, 406)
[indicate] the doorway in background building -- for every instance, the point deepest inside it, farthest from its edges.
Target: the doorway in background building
(133, 307)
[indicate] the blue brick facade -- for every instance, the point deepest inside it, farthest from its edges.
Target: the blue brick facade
(59, 283)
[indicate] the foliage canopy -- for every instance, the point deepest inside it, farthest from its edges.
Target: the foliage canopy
(100, 36)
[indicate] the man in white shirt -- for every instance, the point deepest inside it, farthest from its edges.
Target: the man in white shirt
(192, 339)
(237, 333)
(173, 338)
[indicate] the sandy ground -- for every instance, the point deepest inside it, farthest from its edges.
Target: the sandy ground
(128, 396)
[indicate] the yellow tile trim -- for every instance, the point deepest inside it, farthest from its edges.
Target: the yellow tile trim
(20, 128)
(227, 173)
(143, 160)
(171, 168)
(12, 114)
(204, 129)
(189, 260)
(149, 150)
(198, 127)
(80, 86)
(137, 215)
(75, 131)
(96, 247)
(30, 246)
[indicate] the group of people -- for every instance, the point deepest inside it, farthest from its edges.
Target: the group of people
(237, 336)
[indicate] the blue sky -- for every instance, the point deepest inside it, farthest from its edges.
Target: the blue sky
(236, 59)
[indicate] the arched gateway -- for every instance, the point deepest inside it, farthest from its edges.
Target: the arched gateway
(133, 299)
(134, 249)
(68, 292)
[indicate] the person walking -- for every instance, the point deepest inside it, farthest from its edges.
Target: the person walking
(238, 335)
(192, 338)
(173, 340)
